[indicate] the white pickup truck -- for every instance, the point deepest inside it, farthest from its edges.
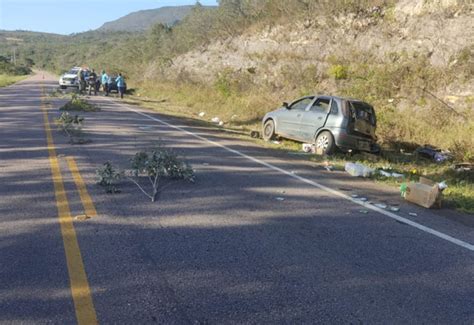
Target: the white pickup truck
(70, 78)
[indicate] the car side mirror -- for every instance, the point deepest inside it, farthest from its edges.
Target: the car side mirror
(285, 105)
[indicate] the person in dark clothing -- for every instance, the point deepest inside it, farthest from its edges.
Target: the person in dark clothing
(91, 81)
(82, 81)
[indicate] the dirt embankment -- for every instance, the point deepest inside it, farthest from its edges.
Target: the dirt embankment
(443, 31)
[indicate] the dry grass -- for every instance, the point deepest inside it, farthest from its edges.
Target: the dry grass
(6, 80)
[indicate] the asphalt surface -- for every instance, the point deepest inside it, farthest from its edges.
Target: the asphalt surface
(246, 243)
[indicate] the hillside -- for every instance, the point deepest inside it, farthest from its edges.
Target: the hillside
(413, 60)
(144, 19)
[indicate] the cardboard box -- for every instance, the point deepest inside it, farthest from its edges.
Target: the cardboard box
(425, 193)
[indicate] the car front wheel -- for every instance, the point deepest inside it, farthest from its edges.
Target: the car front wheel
(325, 143)
(269, 130)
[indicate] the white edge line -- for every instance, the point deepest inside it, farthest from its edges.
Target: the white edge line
(312, 183)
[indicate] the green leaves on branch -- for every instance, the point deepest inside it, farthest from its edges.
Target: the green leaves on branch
(108, 177)
(155, 165)
(78, 104)
(70, 124)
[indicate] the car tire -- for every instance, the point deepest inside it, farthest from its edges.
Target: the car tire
(268, 132)
(325, 143)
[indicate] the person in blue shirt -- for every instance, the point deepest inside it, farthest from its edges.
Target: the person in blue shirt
(110, 81)
(120, 84)
(103, 80)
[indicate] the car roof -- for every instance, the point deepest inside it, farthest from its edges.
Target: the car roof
(341, 98)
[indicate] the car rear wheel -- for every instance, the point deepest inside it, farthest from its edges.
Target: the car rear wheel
(269, 130)
(325, 143)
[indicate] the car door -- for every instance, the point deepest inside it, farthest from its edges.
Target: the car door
(289, 119)
(314, 118)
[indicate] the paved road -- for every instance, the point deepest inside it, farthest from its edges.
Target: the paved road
(225, 249)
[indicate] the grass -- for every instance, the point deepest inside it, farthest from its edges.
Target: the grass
(6, 80)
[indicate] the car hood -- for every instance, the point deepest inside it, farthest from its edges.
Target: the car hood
(68, 75)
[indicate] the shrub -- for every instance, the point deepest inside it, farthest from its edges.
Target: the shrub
(155, 165)
(338, 71)
(108, 176)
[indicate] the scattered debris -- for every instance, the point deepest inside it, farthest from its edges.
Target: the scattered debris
(328, 166)
(363, 199)
(358, 170)
(463, 167)
(233, 117)
(394, 209)
(215, 120)
(434, 154)
(364, 211)
(221, 123)
(442, 186)
(425, 193)
(280, 198)
(202, 114)
(276, 142)
(82, 217)
(413, 214)
(307, 147)
(355, 196)
(255, 134)
(390, 174)
(380, 205)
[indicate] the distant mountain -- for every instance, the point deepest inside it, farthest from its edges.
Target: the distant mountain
(144, 19)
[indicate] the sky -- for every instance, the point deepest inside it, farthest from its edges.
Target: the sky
(74, 16)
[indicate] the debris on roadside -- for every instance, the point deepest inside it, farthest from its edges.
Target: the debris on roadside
(221, 123)
(390, 174)
(308, 148)
(380, 205)
(425, 193)
(328, 166)
(280, 198)
(255, 134)
(215, 120)
(358, 170)
(202, 114)
(364, 211)
(82, 217)
(394, 209)
(463, 167)
(276, 142)
(434, 154)
(413, 214)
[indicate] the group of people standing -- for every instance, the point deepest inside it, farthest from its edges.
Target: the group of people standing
(91, 81)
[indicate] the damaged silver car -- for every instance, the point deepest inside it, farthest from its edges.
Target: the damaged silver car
(329, 122)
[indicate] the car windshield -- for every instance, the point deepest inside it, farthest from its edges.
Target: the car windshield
(73, 71)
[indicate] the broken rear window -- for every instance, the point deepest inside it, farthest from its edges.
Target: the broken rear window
(363, 111)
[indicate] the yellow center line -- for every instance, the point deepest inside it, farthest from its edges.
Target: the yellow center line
(81, 187)
(81, 294)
